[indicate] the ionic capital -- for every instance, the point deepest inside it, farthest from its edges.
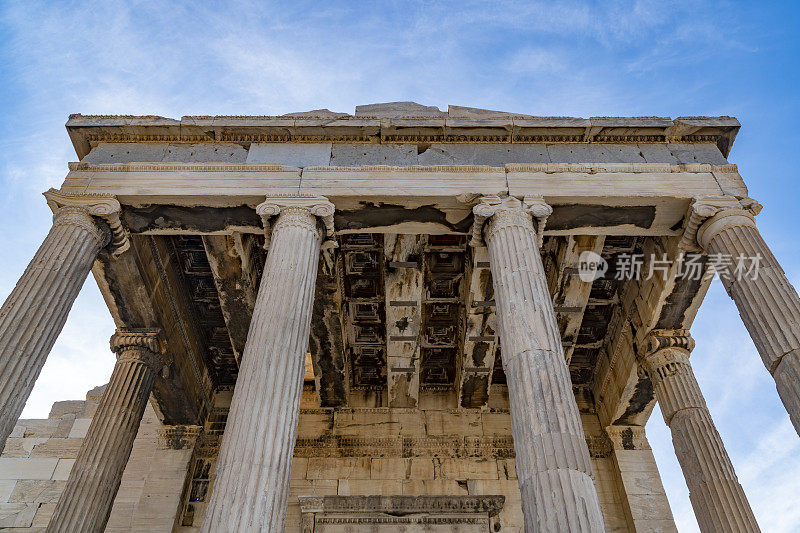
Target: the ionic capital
(103, 206)
(141, 345)
(710, 215)
(303, 210)
(509, 211)
(79, 217)
(665, 351)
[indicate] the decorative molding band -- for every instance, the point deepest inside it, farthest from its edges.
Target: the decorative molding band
(631, 168)
(429, 446)
(411, 168)
(402, 505)
(600, 446)
(445, 138)
(446, 446)
(103, 206)
(179, 167)
(547, 168)
(706, 207)
(295, 138)
(628, 437)
(435, 134)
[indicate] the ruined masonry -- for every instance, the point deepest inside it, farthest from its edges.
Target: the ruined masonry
(382, 322)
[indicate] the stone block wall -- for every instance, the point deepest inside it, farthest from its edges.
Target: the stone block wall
(432, 452)
(340, 452)
(39, 454)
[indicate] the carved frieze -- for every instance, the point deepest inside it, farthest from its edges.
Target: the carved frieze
(379, 513)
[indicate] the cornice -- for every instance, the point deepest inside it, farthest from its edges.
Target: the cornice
(469, 127)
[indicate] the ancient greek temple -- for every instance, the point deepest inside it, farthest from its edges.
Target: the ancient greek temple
(403, 319)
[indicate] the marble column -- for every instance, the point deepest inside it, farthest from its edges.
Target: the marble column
(717, 497)
(35, 312)
(767, 302)
(94, 479)
(251, 489)
(553, 464)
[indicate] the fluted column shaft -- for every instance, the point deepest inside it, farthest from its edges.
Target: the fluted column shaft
(251, 489)
(768, 303)
(718, 499)
(88, 496)
(35, 312)
(553, 464)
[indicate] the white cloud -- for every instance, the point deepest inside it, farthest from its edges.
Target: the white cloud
(548, 58)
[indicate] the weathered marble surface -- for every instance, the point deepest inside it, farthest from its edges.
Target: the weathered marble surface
(724, 227)
(35, 312)
(403, 154)
(717, 497)
(553, 465)
(252, 479)
(411, 172)
(85, 504)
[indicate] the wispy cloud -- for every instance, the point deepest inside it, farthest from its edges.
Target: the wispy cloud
(549, 58)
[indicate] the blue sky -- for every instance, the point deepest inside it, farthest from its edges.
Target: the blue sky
(649, 58)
